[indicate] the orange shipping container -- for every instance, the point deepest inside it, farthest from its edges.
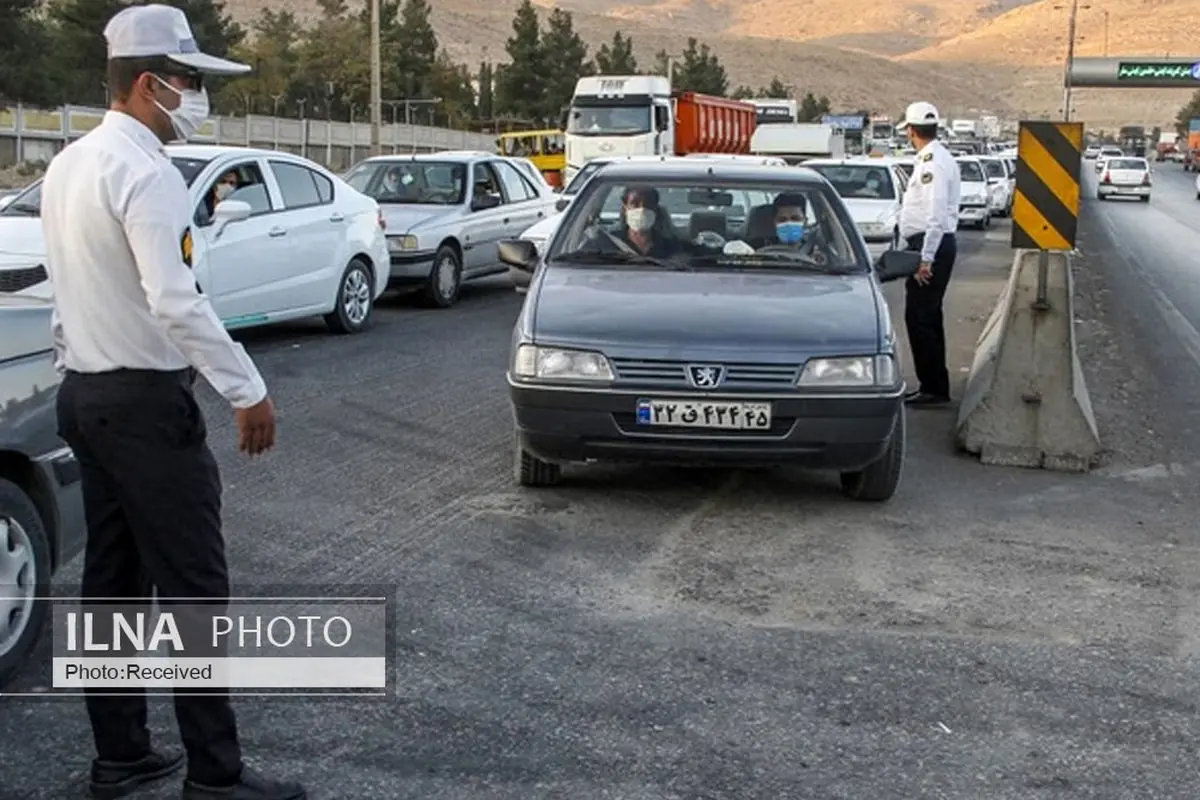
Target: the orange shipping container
(1193, 140)
(707, 124)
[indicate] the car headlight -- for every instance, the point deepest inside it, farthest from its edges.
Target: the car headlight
(854, 371)
(556, 363)
(400, 244)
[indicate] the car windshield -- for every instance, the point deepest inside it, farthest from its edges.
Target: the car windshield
(190, 168)
(698, 222)
(583, 176)
(426, 183)
(970, 171)
(994, 168)
(858, 182)
(609, 120)
(1127, 163)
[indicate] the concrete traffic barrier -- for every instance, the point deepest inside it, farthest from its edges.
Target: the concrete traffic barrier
(1026, 403)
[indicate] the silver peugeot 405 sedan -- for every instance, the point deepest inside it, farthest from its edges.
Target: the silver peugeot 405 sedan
(706, 313)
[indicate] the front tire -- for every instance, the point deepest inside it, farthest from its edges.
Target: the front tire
(355, 299)
(445, 282)
(879, 481)
(531, 471)
(24, 576)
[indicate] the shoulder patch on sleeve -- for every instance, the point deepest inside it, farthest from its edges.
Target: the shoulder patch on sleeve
(927, 157)
(926, 177)
(186, 246)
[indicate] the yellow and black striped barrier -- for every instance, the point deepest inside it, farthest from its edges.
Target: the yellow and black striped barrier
(1045, 212)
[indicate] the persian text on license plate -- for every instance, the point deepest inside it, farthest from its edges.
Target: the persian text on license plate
(703, 414)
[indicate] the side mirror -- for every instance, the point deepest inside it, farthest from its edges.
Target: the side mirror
(520, 254)
(562, 204)
(229, 211)
(896, 264)
(482, 202)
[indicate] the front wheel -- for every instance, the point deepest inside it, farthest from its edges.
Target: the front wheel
(24, 576)
(531, 471)
(355, 300)
(879, 481)
(442, 289)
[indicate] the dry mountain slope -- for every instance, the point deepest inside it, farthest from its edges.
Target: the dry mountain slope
(473, 31)
(1035, 36)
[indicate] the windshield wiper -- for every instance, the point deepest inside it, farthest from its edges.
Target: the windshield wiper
(778, 260)
(616, 256)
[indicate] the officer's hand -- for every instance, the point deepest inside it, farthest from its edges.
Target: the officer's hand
(924, 273)
(256, 427)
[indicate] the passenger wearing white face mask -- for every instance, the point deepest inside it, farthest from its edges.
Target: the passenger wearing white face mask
(645, 227)
(227, 185)
(131, 332)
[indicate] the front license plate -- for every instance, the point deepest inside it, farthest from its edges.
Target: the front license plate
(702, 414)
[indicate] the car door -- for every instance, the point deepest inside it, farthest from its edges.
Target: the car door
(484, 228)
(235, 264)
(316, 233)
(526, 205)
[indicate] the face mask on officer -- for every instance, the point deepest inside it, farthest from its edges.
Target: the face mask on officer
(192, 112)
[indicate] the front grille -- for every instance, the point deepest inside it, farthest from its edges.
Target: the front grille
(18, 280)
(674, 373)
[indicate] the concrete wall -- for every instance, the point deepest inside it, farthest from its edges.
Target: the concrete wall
(31, 134)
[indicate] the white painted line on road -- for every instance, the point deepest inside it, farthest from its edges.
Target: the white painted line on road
(1188, 336)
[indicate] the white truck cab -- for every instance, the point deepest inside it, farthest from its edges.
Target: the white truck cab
(618, 115)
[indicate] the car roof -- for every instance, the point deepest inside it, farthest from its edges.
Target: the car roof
(208, 152)
(444, 155)
(715, 168)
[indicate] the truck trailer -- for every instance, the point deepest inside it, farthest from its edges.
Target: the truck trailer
(798, 143)
(631, 115)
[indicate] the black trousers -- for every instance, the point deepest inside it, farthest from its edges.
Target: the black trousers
(152, 499)
(923, 317)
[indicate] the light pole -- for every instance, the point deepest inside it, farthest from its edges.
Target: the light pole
(1070, 62)
(376, 80)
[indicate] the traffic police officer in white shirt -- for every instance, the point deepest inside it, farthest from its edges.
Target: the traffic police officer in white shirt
(928, 224)
(129, 328)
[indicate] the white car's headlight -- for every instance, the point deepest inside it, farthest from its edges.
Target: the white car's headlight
(552, 363)
(855, 371)
(400, 244)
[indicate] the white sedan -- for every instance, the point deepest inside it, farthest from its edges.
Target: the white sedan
(872, 189)
(292, 239)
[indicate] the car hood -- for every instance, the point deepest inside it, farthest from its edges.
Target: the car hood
(781, 317)
(21, 240)
(974, 187)
(403, 219)
(869, 210)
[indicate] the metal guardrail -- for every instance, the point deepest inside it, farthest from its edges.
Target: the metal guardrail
(39, 133)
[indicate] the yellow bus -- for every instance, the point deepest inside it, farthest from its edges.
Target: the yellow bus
(546, 149)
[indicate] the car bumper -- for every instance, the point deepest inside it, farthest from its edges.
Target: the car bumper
(58, 475)
(410, 268)
(842, 432)
(1109, 190)
(973, 213)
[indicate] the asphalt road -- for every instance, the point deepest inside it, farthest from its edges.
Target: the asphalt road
(635, 634)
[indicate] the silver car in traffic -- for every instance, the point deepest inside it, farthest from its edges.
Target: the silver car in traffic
(446, 214)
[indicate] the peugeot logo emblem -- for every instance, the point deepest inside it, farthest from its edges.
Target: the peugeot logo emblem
(706, 376)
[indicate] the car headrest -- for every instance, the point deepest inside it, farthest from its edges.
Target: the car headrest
(760, 224)
(707, 221)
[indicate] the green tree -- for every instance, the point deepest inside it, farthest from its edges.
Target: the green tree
(333, 78)
(700, 71)
(775, 89)
(486, 80)
(813, 108)
(275, 52)
(744, 93)
(451, 82)
(520, 86)
(1190, 111)
(565, 60)
(24, 48)
(416, 59)
(616, 57)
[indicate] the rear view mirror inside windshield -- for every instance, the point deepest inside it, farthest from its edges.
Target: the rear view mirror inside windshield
(709, 197)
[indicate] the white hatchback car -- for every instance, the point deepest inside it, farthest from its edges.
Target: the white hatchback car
(292, 240)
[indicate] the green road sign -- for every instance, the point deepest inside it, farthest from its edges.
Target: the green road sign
(1158, 71)
(1136, 73)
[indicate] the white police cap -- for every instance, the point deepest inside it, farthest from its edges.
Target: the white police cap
(921, 114)
(158, 30)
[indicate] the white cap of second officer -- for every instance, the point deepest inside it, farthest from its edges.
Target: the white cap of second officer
(921, 114)
(158, 30)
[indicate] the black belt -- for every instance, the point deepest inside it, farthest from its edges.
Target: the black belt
(143, 377)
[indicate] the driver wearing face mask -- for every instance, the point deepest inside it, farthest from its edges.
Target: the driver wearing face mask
(874, 183)
(220, 191)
